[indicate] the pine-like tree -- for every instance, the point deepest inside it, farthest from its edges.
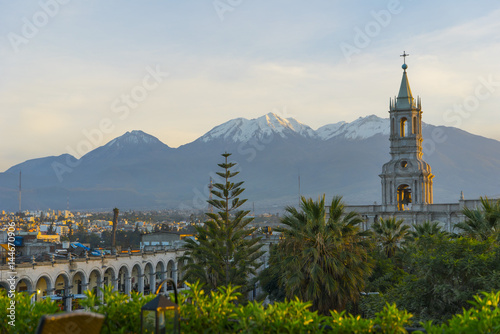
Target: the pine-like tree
(224, 252)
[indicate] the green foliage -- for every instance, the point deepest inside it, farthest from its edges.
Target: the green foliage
(444, 274)
(391, 320)
(482, 223)
(219, 312)
(425, 229)
(123, 313)
(321, 260)
(389, 234)
(286, 317)
(370, 305)
(28, 314)
(344, 323)
(386, 274)
(269, 278)
(223, 254)
(207, 312)
(483, 317)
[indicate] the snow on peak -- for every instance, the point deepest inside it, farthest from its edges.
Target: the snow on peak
(242, 130)
(362, 128)
(134, 137)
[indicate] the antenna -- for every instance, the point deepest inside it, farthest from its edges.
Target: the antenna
(20, 190)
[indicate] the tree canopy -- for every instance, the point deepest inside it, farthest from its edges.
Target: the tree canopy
(225, 251)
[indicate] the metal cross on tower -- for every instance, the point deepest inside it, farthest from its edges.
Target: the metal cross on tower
(404, 55)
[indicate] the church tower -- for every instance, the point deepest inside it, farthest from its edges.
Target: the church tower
(406, 178)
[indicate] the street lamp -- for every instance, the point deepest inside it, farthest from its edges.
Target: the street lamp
(161, 315)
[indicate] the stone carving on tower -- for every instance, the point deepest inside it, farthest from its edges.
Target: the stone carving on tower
(406, 178)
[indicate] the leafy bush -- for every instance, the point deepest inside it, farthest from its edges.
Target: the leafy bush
(444, 274)
(27, 314)
(123, 313)
(207, 313)
(483, 317)
(219, 312)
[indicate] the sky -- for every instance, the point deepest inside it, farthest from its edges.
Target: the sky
(74, 74)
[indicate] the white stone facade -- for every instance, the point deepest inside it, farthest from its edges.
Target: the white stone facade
(139, 271)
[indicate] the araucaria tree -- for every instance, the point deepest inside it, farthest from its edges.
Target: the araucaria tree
(225, 251)
(322, 260)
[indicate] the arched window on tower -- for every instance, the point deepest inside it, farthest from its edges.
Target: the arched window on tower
(392, 126)
(404, 197)
(414, 123)
(402, 127)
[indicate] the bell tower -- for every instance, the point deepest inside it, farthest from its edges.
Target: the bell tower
(406, 178)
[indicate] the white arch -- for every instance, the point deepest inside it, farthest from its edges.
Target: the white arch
(124, 279)
(161, 273)
(95, 286)
(27, 281)
(48, 283)
(137, 281)
(4, 285)
(76, 289)
(149, 278)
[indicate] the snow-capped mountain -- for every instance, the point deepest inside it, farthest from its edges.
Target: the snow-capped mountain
(242, 129)
(136, 170)
(362, 128)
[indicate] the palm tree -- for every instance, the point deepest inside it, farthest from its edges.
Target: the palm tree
(483, 222)
(323, 260)
(116, 211)
(427, 228)
(389, 234)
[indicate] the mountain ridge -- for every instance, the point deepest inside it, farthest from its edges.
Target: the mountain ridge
(137, 170)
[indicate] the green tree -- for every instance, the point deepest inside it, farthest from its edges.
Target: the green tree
(483, 222)
(323, 260)
(427, 228)
(52, 229)
(389, 234)
(224, 252)
(444, 273)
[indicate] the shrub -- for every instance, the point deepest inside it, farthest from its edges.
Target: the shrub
(123, 313)
(219, 312)
(27, 314)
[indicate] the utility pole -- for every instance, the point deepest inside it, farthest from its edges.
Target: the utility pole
(20, 193)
